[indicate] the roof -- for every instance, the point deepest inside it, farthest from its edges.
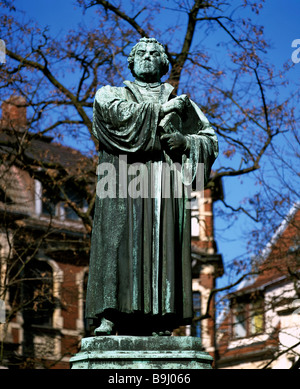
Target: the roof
(280, 230)
(277, 258)
(40, 149)
(273, 270)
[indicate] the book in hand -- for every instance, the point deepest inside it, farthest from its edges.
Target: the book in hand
(187, 123)
(170, 123)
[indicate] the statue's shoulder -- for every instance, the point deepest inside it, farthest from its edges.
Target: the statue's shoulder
(108, 91)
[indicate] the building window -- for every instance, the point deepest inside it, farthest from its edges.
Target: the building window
(37, 294)
(48, 207)
(46, 201)
(31, 292)
(49, 203)
(239, 322)
(256, 318)
(69, 213)
(196, 325)
(247, 317)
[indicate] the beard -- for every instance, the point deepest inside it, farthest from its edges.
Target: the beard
(146, 69)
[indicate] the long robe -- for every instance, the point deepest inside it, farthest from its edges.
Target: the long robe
(140, 260)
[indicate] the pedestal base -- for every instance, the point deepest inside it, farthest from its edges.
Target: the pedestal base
(141, 352)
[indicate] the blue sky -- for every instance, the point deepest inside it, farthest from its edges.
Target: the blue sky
(280, 19)
(281, 25)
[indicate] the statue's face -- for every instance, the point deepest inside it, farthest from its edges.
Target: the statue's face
(147, 62)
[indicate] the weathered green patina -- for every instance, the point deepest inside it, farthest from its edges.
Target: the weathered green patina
(140, 262)
(141, 352)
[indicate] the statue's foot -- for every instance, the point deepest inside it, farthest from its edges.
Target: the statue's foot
(106, 327)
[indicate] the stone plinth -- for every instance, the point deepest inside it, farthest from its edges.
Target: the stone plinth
(141, 352)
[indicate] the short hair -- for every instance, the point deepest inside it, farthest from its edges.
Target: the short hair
(165, 61)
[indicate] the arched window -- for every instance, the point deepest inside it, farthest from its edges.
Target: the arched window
(37, 292)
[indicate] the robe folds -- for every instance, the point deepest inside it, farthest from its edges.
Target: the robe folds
(140, 260)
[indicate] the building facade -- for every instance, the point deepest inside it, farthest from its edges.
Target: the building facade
(261, 328)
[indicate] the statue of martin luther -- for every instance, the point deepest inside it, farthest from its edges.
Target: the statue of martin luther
(140, 263)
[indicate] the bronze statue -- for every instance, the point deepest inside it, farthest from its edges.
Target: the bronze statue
(140, 263)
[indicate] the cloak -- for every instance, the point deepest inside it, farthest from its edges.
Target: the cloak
(140, 260)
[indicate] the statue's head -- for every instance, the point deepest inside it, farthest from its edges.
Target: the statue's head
(148, 60)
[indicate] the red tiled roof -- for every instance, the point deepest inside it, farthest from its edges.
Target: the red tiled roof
(42, 150)
(281, 259)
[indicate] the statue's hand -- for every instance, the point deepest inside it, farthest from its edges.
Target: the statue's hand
(175, 140)
(178, 104)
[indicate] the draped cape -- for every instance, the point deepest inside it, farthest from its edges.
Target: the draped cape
(140, 260)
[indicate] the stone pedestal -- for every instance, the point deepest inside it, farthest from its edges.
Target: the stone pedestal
(141, 352)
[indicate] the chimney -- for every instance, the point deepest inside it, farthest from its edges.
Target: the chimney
(14, 114)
